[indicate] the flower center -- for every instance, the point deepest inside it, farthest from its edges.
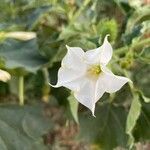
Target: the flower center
(94, 71)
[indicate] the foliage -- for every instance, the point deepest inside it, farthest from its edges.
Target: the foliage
(123, 118)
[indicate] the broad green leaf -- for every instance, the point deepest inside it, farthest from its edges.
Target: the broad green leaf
(146, 99)
(2, 144)
(18, 54)
(34, 16)
(142, 132)
(73, 103)
(132, 118)
(107, 129)
(142, 78)
(23, 127)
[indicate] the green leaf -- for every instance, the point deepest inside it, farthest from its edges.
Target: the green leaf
(23, 127)
(2, 144)
(136, 31)
(123, 5)
(140, 15)
(34, 15)
(19, 54)
(74, 107)
(107, 129)
(142, 132)
(142, 78)
(83, 43)
(146, 99)
(132, 118)
(68, 32)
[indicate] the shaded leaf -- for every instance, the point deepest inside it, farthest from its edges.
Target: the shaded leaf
(132, 118)
(23, 127)
(2, 144)
(19, 54)
(35, 15)
(138, 17)
(107, 129)
(142, 131)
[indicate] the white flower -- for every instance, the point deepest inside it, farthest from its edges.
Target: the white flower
(20, 35)
(4, 76)
(86, 74)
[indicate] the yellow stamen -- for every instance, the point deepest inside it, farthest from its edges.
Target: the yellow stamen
(94, 71)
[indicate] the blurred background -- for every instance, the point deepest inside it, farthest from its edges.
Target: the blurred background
(33, 35)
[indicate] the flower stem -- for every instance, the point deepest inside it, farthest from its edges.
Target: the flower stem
(21, 90)
(46, 87)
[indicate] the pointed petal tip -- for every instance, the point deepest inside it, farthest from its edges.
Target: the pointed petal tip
(94, 116)
(55, 86)
(93, 111)
(67, 47)
(106, 37)
(128, 80)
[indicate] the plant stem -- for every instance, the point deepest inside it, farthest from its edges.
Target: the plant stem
(135, 46)
(141, 44)
(21, 90)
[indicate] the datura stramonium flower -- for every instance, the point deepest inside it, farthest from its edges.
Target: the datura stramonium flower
(86, 74)
(4, 76)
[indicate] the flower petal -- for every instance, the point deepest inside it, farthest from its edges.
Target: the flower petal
(111, 82)
(73, 67)
(75, 85)
(74, 59)
(86, 95)
(93, 56)
(101, 54)
(67, 75)
(99, 90)
(4, 76)
(106, 51)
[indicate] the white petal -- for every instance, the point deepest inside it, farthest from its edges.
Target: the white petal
(74, 59)
(73, 68)
(4, 76)
(93, 56)
(67, 75)
(75, 85)
(106, 51)
(86, 95)
(101, 54)
(111, 82)
(99, 90)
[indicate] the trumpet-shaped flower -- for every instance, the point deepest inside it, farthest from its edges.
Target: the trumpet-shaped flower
(86, 74)
(4, 76)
